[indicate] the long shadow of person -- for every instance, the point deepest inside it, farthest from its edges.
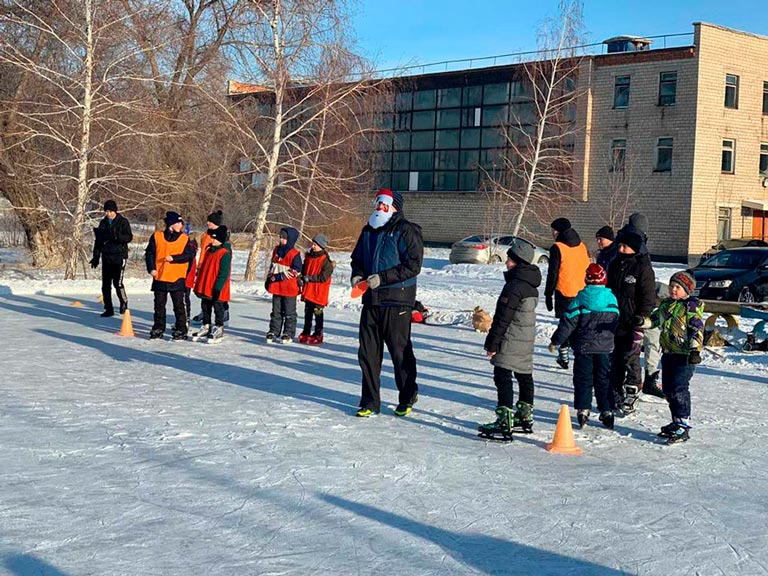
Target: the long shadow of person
(28, 565)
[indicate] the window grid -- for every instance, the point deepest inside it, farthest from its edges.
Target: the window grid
(618, 155)
(765, 98)
(764, 159)
(667, 88)
(728, 157)
(663, 161)
(621, 92)
(731, 91)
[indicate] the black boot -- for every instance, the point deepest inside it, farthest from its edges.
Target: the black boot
(651, 385)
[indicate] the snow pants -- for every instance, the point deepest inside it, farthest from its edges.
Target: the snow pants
(652, 350)
(112, 275)
(179, 310)
(217, 308)
(310, 313)
(592, 371)
(676, 374)
(390, 325)
(503, 380)
(282, 321)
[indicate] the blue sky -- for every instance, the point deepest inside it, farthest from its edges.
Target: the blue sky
(402, 32)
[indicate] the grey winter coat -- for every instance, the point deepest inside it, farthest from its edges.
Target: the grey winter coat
(513, 330)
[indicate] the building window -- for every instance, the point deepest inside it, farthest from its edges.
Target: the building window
(413, 181)
(764, 159)
(618, 155)
(667, 88)
(731, 91)
(423, 99)
(471, 116)
(765, 97)
(663, 161)
(723, 223)
(728, 161)
(448, 97)
(621, 92)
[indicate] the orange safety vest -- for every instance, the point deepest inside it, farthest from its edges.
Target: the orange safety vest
(169, 271)
(574, 261)
(315, 292)
(209, 272)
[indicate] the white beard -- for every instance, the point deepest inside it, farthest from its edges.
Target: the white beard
(379, 218)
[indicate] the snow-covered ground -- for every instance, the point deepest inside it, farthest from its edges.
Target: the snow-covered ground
(125, 456)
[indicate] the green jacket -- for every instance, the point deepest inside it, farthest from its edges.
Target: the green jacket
(682, 325)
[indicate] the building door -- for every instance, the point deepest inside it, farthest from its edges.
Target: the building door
(759, 227)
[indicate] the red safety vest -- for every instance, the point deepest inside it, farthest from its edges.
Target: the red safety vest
(315, 292)
(209, 272)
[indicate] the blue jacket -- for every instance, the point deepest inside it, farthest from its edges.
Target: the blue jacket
(590, 322)
(394, 252)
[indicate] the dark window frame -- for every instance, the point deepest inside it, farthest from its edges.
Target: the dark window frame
(728, 156)
(618, 158)
(732, 91)
(664, 151)
(621, 88)
(763, 165)
(668, 84)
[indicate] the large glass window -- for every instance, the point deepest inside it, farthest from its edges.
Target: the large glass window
(764, 159)
(667, 88)
(473, 95)
(424, 120)
(471, 116)
(400, 180)
(492, 138)
(400, 161)
(523, 113)
(448, 97)
(448, 118)
(724, 223)
(422, 161)
(468, 181)
(447, 160)
(495, 115)
(425, 180)
(447, 139)
(496, 93)
(403, 121)
(765, 97)
(621, 92)
(423, 99)
(618, 155)
(470, 138)
(491, 160)
(728, 157)
(468, 159)
(731, 91)
(423, 140)
(447, 181)
(663, 161)
(403, 101)
(402, 140)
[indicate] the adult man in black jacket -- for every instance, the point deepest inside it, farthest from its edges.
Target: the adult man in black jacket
(388, 256)
(112, 237)
(631, 278)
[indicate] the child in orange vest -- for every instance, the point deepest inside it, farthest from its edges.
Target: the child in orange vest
(283, 283)
(212, 284)
(316, 280)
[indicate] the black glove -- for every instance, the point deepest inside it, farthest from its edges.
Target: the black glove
(548, 302)
(638, 321)
(94, 262)
(215, 295)
(694, 357)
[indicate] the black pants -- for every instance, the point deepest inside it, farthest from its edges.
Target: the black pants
(179, 310)
(112, 275)
(188, 302)
(282, 321)
(592, 371)
(217, 308)
(503, 380)
(676, 375)
(390, 325)
(310, 312)
(625, 368)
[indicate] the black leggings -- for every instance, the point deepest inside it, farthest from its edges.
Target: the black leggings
(312, 310)
(504, 384)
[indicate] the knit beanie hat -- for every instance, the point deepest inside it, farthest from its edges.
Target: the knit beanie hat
(596, 275)
(172, 218)
(219, 234)
(110, 205)
(520, 251)
(607, 233)
(216, 217)
(560, 224)
(640, 221)
(685, 280)
(397, 201)
(633, 240)
(321, 240)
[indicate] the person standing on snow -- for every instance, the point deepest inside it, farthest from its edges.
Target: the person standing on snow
(608, 249)
(509, 344)
(568, 261)
(283, 283)
(167, 256)
(112, 237)
(388, 256)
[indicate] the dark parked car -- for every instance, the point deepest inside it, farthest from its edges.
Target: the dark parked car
(738, 275)
(732, 243)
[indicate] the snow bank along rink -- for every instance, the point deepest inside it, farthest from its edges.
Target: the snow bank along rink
(130, 456)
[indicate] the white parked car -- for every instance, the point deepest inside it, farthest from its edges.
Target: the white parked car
(482, 249)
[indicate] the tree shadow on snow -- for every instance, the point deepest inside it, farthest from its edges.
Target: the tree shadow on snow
(488, 554)
(28, 565)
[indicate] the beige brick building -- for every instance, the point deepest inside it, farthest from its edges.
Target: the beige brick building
(675, 133)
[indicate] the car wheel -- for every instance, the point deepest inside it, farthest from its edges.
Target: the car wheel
(746, 295)
(495, 259)
(544, 261)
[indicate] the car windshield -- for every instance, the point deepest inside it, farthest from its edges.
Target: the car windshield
(734, 259)
(475, 239)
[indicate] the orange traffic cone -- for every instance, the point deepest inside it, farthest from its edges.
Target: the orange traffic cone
(76, 303)
(563, 442)
(126, 329)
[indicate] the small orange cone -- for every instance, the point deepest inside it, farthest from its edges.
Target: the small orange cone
(563, 442)
(76, 303)
(126, 329)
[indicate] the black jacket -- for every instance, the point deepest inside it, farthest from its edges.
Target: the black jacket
(607, 255)
(632, 281)
(187, 255)
(394, 252)
(112, 239)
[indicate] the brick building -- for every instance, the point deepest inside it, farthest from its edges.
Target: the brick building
(680, 134)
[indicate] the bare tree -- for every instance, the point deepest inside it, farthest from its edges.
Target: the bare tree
(537, 166)
(622, 185)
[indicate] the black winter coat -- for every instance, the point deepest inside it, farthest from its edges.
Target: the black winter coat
(188, 255)
(112, 239)
(632, 281)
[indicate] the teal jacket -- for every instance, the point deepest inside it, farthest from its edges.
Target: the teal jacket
(589, 322)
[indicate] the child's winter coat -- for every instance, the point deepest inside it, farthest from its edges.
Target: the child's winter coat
(316, 275)
(284, 271)
(682, 325)
(590, 321)
(214, 276)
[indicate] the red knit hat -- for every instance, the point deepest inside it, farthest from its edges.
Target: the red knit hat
(685, 280)
(596, 275)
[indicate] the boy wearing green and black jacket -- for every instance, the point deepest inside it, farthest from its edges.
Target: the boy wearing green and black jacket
(589, 324)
